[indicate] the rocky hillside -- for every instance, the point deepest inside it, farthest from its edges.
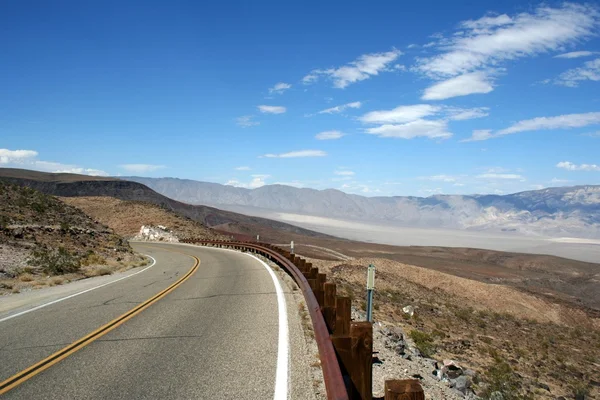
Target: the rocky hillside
(42, 237)
(126, 217)
(565, 211)
(69, 185)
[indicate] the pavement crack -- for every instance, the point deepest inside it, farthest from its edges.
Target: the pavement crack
(224, 295)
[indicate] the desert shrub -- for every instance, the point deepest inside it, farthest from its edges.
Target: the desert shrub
(500, 378)
(55, 262)
(464, 314)
(424, 342)
(93, 259)
(64, 226)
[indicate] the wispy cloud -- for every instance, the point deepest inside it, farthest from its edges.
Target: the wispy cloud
(344, 173)
(338, 109)
(576, 54)
(28, 159)
(590, 71)
(256, 182)
(410, 130)
(566, 121)
(557, 180)
(362, 68)
(280, 87)
(410, 121)
(462, 85)
(439, 178)
(400, 114)
(139, 168)
(574, 167)
(490, 40)
(329, 135)
(246, 121)
(297, 154)
(244, 168)
(501, 176)
(272, 109)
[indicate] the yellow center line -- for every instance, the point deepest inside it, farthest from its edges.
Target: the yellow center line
(60, 355)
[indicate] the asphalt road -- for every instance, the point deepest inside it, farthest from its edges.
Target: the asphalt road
(216, 336)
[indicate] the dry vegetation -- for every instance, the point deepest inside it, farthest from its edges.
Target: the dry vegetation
(524, 344)
(126, 217)
(45, 242)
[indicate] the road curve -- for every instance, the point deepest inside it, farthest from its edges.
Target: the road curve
(215, 336)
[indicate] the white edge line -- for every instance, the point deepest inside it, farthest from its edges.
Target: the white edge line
(283, 351)
(76, 294)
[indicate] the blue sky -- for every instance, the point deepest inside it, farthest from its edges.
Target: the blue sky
(384, 98)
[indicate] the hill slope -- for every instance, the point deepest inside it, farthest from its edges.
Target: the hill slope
(126, 217)
(41, 236)
(565, 211)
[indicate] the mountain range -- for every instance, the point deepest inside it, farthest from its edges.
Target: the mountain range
(562, 211)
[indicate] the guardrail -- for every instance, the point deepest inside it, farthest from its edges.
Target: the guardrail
(345, 346)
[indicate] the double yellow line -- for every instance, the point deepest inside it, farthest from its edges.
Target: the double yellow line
(46, 363)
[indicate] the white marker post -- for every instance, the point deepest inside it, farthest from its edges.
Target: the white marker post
(292, 247)
(370, 288)
(258, 238)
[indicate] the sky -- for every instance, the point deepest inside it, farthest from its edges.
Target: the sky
(377, 99)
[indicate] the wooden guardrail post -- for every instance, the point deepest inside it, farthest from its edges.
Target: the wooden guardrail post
(342, 316)
(329, 305)
(405, 389)
(355, 352)
(319, 293)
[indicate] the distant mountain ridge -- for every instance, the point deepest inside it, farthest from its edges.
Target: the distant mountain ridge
(562, 211)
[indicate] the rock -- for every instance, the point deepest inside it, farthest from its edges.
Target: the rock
(542, 386)
(451, 370)
(410, 310)
(462, 383)
(18, 233)
(469, 372)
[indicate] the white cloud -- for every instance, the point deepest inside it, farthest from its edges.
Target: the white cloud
(556, 180)
(489, 41)
(574, 167)
(296, 154)
(501, 176)
(16, 156)
(81, 171)
(344, 173)
(272, 109)
(329, 135)
(400, 114)
(310, 78)
(28, 159)
(413, 129)
(141, 168)
(338, 109)
(439, 178)
(280, 88)
(461, 114)
(566, 121)
(559, 122)
(412, 46)
(462, 85)
(589, 72)
(244, 168)
(246, 121)
(592, 134)
(479, 134)
(576, 54)
(256, 182)
(360, 69)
